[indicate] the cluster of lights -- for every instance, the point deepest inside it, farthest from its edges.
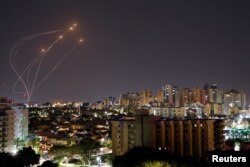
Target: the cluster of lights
(71, 28)
(240, 126)
(59, 104)
(195, 125)
(162, 148)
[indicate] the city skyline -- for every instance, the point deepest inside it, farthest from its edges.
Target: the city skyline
(131, 46)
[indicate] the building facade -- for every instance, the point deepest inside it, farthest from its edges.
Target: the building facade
(191, 137)
(129, 132)
(13, 126)
(184, 137)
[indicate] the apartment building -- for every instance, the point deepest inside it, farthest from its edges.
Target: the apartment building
(129, 132)
(13, 126)
(184, 137)
(189, 137)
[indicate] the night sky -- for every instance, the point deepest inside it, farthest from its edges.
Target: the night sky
(130, 46)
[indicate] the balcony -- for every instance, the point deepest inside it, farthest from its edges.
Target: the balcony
(3, 125)
(4, 145)
(3, 139)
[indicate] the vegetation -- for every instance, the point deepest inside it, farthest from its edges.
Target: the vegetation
(48, 164)
(86, 149)
(24, 158)
(156, 164)
(148, 157)
(7, 159)
(27, 157)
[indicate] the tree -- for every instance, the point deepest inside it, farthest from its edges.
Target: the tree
(87, 148)
(108, 158)
(61, 151)
(156, 164)
(147, 157)
(48, 164)
(33, 141)
(19, 142)
(27, 157)
(7, 160)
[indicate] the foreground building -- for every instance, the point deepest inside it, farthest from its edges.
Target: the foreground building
(13, 126)
(189, 137)
(184, 137)
(129, 132)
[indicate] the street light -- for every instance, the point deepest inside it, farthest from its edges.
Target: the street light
(66, 160)
(237, 146)
(98, 159)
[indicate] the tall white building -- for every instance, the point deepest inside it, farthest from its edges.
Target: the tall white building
(13, 126)
(234, 99)
(146, 97)
(171, 95)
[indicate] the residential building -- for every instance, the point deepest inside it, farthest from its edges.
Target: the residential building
(146, 97)
(129, 132)
(189, 137)
(233, 101)
(184, 96)
(184, 137)
(171, 95)
(130, 99)
(13, 126)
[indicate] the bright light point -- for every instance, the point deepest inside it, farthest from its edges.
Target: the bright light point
(75, 25)
(81, 40)
(71, 28)
(14, 151)
(42, 50)
(237, 147)
(60, 37)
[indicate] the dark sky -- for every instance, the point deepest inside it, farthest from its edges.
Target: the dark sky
(131, 45)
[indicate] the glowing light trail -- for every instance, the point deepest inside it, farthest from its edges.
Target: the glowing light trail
(31, 84)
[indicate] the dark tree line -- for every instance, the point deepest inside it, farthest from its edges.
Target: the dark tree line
(139, 156)
(86, 148)
(24, 158)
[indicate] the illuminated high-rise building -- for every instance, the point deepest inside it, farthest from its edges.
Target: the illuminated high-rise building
(197, 93)
(130, 99)
(146, 97)
(219, 96)
(160, 96)
(184, 96)
(13, 126)
(210, 92)
(234, 100)
(171, 95)
(176, 97)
